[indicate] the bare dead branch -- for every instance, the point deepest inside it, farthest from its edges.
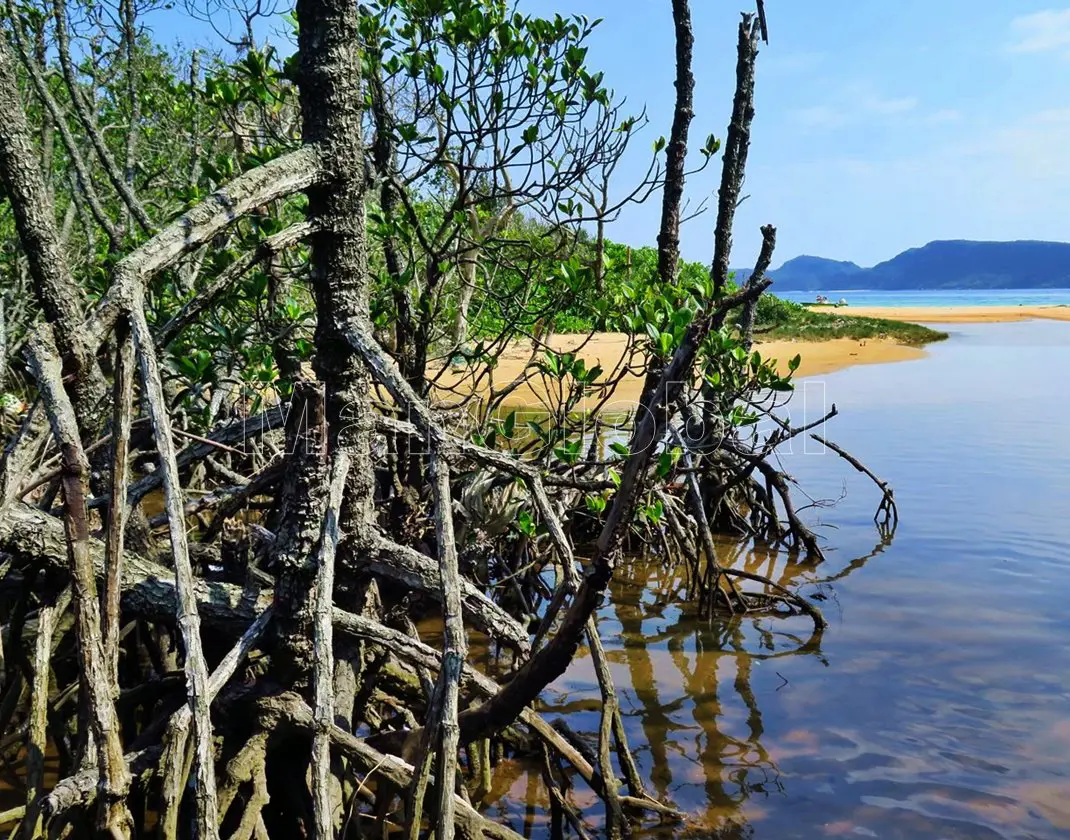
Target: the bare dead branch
(323, 663)
(188, 615)
(112, 773)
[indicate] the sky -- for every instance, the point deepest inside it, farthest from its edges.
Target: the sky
(881, 124)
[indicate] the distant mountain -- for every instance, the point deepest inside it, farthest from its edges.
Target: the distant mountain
(956, 264)
(817, 273)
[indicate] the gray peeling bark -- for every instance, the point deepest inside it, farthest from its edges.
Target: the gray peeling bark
(208, 296)
(288, 710)
(118, 510)
(442, 716)
(276, 179)
(80, 789)
(35, 540)
(37, 739)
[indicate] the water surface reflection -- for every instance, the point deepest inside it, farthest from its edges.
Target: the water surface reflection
(938, 703)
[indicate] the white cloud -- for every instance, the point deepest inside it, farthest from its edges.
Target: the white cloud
(1041, 32)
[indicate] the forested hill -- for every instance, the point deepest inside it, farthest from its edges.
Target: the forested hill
(938, 265)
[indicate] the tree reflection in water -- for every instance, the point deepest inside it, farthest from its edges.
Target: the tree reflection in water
(695, 723)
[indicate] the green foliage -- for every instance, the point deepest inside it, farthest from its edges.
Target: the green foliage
(776, 318)
(534, 284)
(515, 87)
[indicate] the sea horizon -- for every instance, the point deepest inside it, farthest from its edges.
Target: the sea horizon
(933, 297)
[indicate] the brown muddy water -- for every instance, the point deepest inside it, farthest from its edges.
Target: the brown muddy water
(938, 703)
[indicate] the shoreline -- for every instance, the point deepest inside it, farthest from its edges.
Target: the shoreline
(607, 349)
(954, 314)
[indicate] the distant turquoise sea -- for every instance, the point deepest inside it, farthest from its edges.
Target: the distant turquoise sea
(939, 297)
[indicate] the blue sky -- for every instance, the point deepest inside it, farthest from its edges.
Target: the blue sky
(881, 124)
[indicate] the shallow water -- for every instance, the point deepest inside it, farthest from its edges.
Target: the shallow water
(937, 297)
(938, 703)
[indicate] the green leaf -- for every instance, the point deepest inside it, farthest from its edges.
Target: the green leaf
(538, 431)
(595, 504)
(664, 464)
(525, 524)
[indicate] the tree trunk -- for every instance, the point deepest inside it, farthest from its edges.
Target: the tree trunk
(331, 108)
(737, 144)
(57, 292)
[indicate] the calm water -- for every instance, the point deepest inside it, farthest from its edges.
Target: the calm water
(946, 297)
(938, 703)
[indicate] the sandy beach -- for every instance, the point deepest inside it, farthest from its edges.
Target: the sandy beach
(955, 314)
(818, 357)
(607, 350)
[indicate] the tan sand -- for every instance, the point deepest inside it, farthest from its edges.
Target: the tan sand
(957, 314)
(606, 349)
(819, 357)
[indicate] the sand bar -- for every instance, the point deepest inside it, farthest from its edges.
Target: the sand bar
(956, 314)
(819, 357)
(607, 349)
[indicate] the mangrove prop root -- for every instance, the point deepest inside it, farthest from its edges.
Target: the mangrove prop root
(887, 512)
(239, 659)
